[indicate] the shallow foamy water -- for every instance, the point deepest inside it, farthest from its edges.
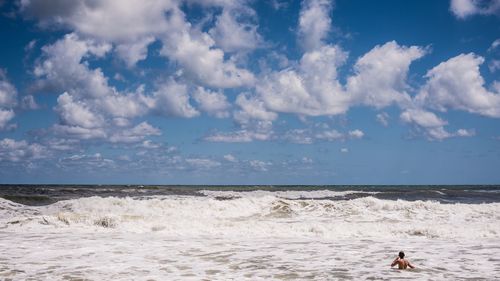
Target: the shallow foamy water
(112, 256)
(247, 236)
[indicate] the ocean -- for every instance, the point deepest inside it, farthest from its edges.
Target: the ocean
(111, 232)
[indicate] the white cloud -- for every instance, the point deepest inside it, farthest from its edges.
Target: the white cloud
(422, 118)
(172, 99)
(135, 134)
(314, 23)
(230, 158)
(148, 144)
(243, 135)
(344, 150)
(62, 144)
(5, 117)
(329, 135)
(380, 75)
(383, 118)
(233, 35)
(79, 132)
(87, 162)
(132, 52)
(356, 134)
(301, 136)
(202, 163)
(458, 84)
(252, 108)
(308, 136)
(8, 93)
(77, 113)
(430, 125)
(18, 151)
(466, 8)
(465, 133)
(310, 89)
(109, 20)
(64, 68)
(61, 68)
(202, 62)
(261, 166)
(213, 103)
(132, 25)
(8, 99)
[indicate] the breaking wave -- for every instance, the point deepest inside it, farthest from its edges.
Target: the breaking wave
(259, 214)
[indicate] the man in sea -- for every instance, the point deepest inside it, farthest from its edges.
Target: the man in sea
(402, 262)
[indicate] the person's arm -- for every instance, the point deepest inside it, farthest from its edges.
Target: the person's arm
(395, 262)
(410, 265)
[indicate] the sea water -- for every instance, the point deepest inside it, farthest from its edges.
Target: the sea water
(248, 233)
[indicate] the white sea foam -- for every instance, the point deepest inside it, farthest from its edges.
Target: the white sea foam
(263, 216)
(256, 236)
(289, 194)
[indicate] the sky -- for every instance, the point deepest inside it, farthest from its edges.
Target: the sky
(250, 92)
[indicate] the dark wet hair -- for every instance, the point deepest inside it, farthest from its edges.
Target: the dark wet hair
(401, 254)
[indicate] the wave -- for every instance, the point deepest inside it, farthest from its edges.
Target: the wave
(259, 214)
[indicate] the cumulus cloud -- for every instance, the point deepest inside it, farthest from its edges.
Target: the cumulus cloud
(430, 125)
(311, 88)
(261, 166)
(8, 99)
(465, 133)
(5, 117)
(202, 62)
(136, 134)
(356, 134)
(329, 135)
(172, 99)
(132, 52)
(234, 30)
(230, 158)
(79, 132)
(202, 163)
(458, 84)
(213, 103)
(380, 75)
(62, 69)
(89, 106)
(132, 25)
(108, 20)
(252, 108)
(8, 93)
(300, 136)
(17, 151)
(465, 8)
(77, 113)
(318, 133)
(314, 23)
(243, 135)
(88, 162)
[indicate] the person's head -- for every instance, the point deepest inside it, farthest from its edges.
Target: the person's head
(401, 254)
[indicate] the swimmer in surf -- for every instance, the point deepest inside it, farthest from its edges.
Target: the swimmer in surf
(402, 262)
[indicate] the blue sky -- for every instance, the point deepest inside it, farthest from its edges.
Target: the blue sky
(250, 92)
